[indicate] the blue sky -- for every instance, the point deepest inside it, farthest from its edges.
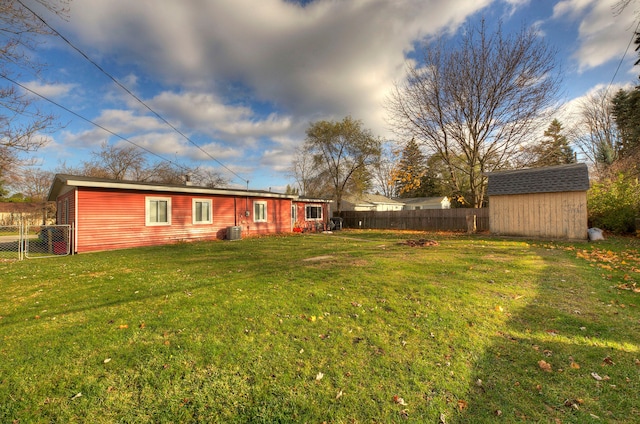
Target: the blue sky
(243, 79)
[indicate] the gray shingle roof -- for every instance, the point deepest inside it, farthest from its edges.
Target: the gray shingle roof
(550, 179)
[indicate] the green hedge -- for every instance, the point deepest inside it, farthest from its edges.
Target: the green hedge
(614, 204)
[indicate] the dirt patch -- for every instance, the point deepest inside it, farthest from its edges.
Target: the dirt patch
(419, 243)
(318, 258)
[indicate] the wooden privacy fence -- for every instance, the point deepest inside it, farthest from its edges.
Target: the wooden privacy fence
(422, 219)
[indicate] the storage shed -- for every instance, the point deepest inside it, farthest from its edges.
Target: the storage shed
(548, 202)
(113, 214)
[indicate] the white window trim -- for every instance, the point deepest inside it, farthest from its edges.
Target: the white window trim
(313, 219)
(194, 201)
(147, 210)
(255, 218)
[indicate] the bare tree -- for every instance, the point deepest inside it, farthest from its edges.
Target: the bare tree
(475, 103)
(120, 163)
(594, 131)
(382, 172)
(343, 150)
(34, 183)
(23, 126)
(309, 180)
(208, 178)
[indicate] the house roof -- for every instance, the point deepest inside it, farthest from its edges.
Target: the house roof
(20, 207)
(371, 199)
(551, 179)
(435, 201)
(62, 180)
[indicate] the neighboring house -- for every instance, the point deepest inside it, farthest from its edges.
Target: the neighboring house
(26, 213)
(417, 203)
(548, 202)
(370, 202)
(112, 214)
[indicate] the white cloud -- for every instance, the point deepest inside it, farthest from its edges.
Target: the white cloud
(208, 115)
(602, 36)
(328, 59)
(50, 91)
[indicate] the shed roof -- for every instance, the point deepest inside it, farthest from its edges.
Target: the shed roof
(550, 179)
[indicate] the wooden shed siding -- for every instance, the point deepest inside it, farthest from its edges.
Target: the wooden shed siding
(545, 215)
(115, 219)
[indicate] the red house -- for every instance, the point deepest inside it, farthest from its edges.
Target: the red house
(112, 214)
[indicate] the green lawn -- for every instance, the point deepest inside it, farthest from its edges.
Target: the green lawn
(354, 327)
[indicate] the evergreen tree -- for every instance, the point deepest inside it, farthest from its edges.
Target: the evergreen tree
(554, 149)
(411, 171)
(626, 113)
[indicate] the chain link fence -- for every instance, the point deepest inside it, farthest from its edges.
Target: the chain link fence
(18, 242)
(11, 247)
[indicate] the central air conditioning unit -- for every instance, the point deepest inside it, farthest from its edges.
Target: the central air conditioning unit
(234, 233)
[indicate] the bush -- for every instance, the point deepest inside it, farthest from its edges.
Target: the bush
(614, 204)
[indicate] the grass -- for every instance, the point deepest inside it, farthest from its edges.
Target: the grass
(347, 328)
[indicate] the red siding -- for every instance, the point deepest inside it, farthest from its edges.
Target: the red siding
(115, 219)
(309, 224)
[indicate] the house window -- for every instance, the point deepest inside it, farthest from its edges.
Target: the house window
(63, 212)
(158, 211)
(312, 212)
(202, 211)
(294, 213)
(259, 211)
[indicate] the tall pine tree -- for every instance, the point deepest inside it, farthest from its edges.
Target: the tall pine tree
(553, 149)
(410, 172)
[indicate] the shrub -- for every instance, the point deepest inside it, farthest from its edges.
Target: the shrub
(614, 204)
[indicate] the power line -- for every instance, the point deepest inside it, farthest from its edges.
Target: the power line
(101, 69)
(91, 122)
(633, 35)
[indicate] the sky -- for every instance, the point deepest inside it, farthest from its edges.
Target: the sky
(243, 79)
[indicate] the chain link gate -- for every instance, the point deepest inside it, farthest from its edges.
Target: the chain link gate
(18, 242)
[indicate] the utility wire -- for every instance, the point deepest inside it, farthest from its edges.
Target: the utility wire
(101, 69)
(633, 36)
(90, 121)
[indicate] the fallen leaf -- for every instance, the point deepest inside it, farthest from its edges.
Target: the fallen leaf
(397, 399)
(106, 361)
(607, 361)
(575, 366)
(319, 376)
(443, 419)
(544, 365)
(123, 326)
(462, 404)
(571, 404)
(339, 395)
(596, 376)
(76, 396)
(404, 413)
